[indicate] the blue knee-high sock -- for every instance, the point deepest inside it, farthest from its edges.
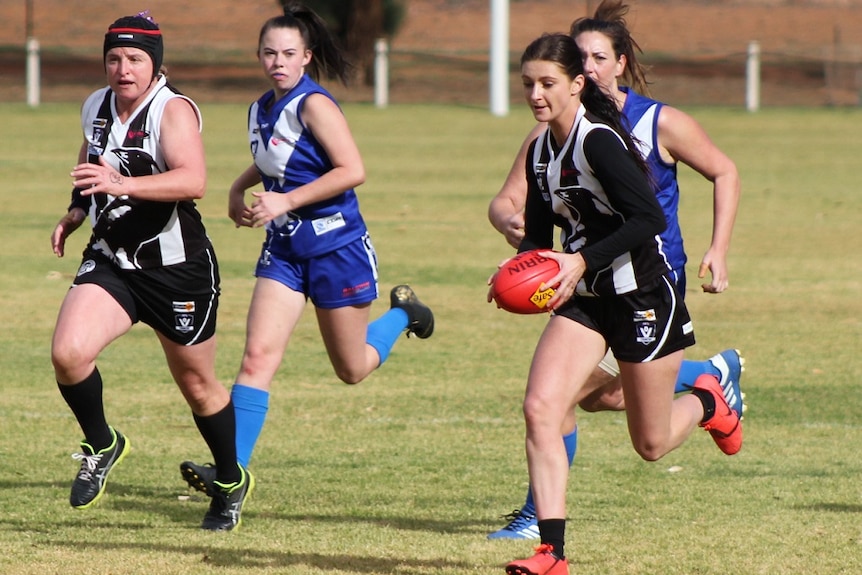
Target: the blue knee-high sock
(250, 405)
(689, 371)
(383, 332)
(571, 442)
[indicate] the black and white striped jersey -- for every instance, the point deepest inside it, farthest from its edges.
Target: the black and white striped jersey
(592, 189)
(137, 234)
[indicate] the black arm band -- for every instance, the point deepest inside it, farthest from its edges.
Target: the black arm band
(79, 201)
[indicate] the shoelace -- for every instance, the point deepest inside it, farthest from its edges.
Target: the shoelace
(517, 520)
(512, 516)
(225, 507)
(88, 464)
(545, 548)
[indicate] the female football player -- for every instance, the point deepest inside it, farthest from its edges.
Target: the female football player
(141, 167)
(317, 246)
(614, 290)
(664, 136)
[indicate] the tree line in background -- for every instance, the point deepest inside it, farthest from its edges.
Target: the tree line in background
(358, 24)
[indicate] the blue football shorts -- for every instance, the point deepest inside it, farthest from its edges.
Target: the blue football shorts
(346, 276)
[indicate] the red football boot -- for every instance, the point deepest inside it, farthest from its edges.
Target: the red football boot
(724, 426)
(544, 562)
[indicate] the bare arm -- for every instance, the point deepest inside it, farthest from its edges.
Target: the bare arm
(506, 210)
(237, 210)
(69, 222)
(184, 153)
(326, 121)
(682, 139)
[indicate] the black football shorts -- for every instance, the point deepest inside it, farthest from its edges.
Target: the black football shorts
(179, 301)
(647, 324)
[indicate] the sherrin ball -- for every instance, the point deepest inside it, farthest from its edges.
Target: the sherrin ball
(520, 285)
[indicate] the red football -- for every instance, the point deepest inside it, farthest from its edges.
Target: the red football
(518, 288)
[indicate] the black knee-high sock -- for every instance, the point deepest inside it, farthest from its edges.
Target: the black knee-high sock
(219, 431)
(553, 532)
(85, 400)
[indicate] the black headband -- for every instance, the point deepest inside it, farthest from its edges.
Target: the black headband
(150, 41)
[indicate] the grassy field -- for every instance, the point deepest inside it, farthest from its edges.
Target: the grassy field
(407, 472)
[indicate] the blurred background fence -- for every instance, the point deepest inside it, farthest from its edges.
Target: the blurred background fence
(810, 50)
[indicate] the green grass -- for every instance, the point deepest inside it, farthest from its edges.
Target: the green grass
(408, 471)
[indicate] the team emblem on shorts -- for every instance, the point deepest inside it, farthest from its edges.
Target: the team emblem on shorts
(645, 326)
(185, 322)
(184, 316)
(265, 258)
(183, 306)
(86, 267)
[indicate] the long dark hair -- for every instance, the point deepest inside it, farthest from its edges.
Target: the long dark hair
(562, 50)
(327, 57)
(609, 19)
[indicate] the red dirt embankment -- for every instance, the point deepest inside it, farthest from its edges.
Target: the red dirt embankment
(696, 48)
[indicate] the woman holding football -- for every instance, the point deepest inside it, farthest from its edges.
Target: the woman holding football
(614, 289)
(664, 136)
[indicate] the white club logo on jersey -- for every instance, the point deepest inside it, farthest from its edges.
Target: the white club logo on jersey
(285, 224)
(541, 170)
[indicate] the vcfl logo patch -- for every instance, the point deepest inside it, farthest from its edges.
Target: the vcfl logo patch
(185, 322)
(184, 316)
(645, 326)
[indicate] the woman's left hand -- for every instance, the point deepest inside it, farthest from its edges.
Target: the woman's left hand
(572, 268)
(491, 279)
(267, 206)
(99, 178)
(717, 266)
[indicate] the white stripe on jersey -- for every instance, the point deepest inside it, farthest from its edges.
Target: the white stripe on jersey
(273, 155)
(643, 131)
(170, 241)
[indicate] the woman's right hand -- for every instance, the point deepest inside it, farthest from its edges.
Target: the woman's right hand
(572, 269)
(237, 210)
(514, 229)
(64, 228)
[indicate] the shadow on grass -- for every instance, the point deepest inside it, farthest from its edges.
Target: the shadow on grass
(164, 503)
(256, 559)
(401, 523)
(831, 507)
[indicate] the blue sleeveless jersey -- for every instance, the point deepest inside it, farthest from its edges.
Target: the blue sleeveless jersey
(287, 156)
(641, 115)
